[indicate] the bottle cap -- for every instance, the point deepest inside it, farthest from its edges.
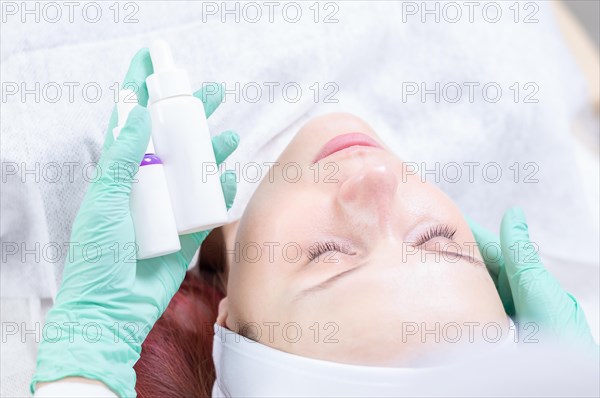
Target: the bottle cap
(167, 80)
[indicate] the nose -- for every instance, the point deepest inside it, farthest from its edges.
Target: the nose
(368, 195)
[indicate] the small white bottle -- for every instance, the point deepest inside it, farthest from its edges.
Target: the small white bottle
(181, 137)
(149, 202)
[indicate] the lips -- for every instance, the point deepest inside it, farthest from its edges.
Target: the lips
(344, 141)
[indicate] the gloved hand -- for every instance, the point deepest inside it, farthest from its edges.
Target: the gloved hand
(108, 301)
(527, 290)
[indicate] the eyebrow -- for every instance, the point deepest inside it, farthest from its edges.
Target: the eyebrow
(337, 277)
(327, 282)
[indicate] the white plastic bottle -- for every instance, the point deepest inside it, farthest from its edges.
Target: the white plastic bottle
(182, 139)
(149, 201)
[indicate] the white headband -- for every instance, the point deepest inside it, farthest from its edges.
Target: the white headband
(246, 368)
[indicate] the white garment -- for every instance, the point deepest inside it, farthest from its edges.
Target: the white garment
(246, 368)
(368, 55)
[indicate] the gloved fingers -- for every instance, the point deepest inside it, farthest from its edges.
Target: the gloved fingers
(489, 248)
(135, 79)
(140, 68)
(156, 275)
(229, 186)
(133, 140)
(211, 96)
(537, 294)
(577, 325)
(121, 161)
(224, 144)
(520, 254)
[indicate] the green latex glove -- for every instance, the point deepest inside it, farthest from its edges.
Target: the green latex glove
(108, 301)
(527, 290)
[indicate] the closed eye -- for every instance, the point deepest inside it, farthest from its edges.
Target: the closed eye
(443, 231)
(448, 232)
(320, 248)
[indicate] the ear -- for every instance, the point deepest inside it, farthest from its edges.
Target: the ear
(223, 312)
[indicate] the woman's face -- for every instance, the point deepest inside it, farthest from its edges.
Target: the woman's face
(353, 259)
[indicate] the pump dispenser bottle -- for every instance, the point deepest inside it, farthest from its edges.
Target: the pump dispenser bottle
(181, 137)
(149, 201)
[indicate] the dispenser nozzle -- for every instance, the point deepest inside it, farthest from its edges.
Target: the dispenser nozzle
(167, 80)
(162, 58)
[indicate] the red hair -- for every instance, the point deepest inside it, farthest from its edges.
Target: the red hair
(176, 357)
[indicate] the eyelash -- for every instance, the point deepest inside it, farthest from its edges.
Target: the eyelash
(320, 248)
(444, 231)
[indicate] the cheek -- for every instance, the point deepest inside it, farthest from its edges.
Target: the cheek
(249, 300)
(464, 293)
(435, 203)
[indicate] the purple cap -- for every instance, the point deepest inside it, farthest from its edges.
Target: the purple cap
(149, 159)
